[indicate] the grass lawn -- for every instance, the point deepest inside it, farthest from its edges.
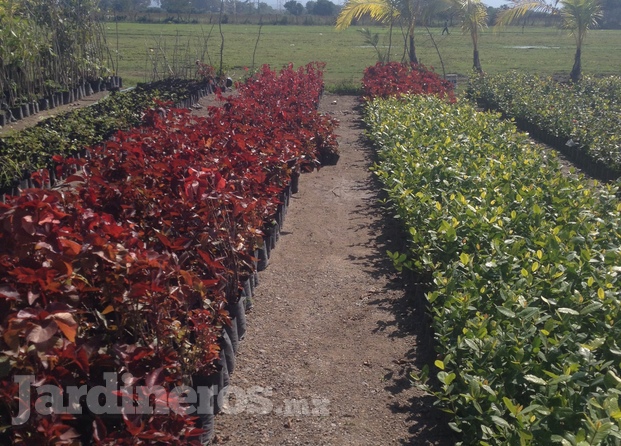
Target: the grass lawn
(145, 49)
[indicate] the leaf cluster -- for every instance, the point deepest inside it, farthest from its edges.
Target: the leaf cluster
(396, 79)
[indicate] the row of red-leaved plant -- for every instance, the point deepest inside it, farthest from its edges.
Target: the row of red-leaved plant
(384, 80)
(128, 266)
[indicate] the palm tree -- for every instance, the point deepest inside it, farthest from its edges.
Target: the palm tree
(385, 11)
(578, 16)
(473, 17)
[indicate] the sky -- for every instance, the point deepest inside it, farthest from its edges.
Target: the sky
(494, 3)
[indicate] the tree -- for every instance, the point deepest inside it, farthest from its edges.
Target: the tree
(264, 8)
(386, 11)
(578, 16)
(206, 5)
(611, 11)
(175, 6)
(473, 17)
(294, 8)
(323, 8)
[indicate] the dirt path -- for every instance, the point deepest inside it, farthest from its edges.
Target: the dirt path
(331, 338)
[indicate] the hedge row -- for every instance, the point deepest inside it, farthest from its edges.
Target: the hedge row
(580, 119)
(525, 269)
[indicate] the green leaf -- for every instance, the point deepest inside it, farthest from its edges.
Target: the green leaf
(612, 380)
(589, 308)
(501, 422)
(512, 407)
(602, 429)
(464, 258)
(565, 310)
(505, 311)
(535, 380)
(439, 364)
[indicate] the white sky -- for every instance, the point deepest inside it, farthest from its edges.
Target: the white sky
(494, 3)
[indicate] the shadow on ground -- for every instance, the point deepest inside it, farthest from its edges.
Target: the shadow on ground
(428, 424)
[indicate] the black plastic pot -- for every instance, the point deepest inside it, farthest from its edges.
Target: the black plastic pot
(280, 216)
(274, 235)
(264, 257)
(95, 85)
(44, 104)
(248, 288)
(295, 182)
(229, 352)
(328, 159)
(207, 424)
(252, 285)
(17, 113)
(25, 110)
(238, 313)
(255, 262)
(269, 244)
(231, 331)
(247, 300)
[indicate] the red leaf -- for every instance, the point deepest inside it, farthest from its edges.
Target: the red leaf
(67, 324)
(69, 434)
(164, 239)
(8, 292)
(32, 297)
(39, 334)
(28, 225)
(133, 427)
(70, 247)
(209, 260)
(155, 377)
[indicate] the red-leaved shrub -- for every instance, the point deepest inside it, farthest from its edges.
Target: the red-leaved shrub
(396, 79)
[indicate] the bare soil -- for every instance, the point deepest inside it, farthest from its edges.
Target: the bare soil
(334, 332)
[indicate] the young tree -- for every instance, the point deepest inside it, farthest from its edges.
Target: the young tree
(473, 17)
(578, 16)
(386, 11)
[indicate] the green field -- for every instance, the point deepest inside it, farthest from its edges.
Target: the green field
(542, 50)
